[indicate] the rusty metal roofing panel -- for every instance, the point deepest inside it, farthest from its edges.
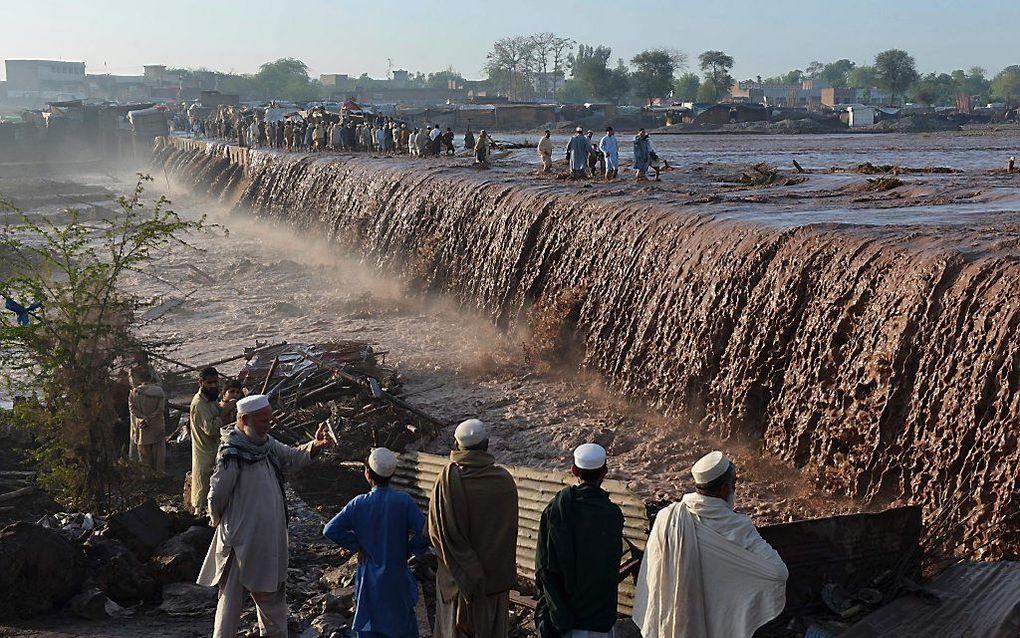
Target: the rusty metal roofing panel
(851, 550)
(417, 473)
(979, 600)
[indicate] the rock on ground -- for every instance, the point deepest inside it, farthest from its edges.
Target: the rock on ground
(117, 571)
(40, 570)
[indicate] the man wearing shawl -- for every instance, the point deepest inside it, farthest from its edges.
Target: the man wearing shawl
(473, 528)
(248, 508)
(577, 559)
(706, 572)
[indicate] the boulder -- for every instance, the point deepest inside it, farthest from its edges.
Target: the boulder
(188, 599)
(117, 571)
(180, 558)
(142, 528)
(40, 570)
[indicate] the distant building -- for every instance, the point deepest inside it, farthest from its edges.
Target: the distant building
(805, 95)
(41, 80)
(400, 78)
(335, 81)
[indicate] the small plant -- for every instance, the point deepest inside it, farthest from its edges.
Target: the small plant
(78, 335)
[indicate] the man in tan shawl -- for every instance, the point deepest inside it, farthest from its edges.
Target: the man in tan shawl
(205, 436)
(147, 406)
(473, 528)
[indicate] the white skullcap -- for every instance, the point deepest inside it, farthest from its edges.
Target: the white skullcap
(710, 467)
(590, 456)
(470, 432)
(253, 403)
(383, 462)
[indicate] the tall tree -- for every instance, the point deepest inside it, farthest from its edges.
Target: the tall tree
(443, 79)
(654, 71)
(934, 89)
(836, 74)
(861, 77)
(895, 71)
(560, 52)
(1006, 85)
(716, 65)
(286, 78)
(685, 89)
(590, 69)
(549, 56)
(510, 64)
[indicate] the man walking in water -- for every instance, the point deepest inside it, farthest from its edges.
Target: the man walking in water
(611, 151)
(545, 151)
(642, 155)
(577, 152)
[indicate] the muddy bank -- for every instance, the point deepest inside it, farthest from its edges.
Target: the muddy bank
(881, 361)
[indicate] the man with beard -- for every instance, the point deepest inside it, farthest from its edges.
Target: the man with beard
(248, 508)
(205, 435)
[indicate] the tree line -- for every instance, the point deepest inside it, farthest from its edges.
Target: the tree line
(548, 66)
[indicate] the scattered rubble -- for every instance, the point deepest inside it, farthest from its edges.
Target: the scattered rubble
(188, 599)
(142, 528)
(180, 557)
(41, 571)
(116, 571)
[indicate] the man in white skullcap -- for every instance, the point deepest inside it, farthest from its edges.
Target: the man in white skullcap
(577, 559)
(706, 572)
(384, 527)
(473, 528)
(248, 508)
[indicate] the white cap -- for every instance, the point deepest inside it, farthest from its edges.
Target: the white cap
(590, 456)
(383, 462)
(710, 467)
(252, 403)
(470, 432)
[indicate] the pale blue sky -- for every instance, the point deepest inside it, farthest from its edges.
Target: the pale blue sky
(765, 37)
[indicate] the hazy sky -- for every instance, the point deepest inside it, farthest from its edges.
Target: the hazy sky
(765, 37)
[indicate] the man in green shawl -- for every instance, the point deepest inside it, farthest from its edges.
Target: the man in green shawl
(473, 528)
(577, 562)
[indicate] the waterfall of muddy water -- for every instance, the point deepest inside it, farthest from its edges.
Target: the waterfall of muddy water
(882, 360)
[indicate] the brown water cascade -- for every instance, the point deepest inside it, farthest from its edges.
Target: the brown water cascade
(882, 361)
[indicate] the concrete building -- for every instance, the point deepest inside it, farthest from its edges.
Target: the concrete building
(42, 80)
(806, 94)
(335, 81)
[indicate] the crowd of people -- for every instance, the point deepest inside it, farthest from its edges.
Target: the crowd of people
(696, 546)
(343, 132)
(322, 131)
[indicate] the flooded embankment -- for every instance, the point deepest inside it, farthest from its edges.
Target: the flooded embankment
(881, 359)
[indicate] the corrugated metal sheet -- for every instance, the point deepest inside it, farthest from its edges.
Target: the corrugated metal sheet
(971, 600)
(851, 550)
(417, 473)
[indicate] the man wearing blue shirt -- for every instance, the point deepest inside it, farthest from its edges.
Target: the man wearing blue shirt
(384, 527)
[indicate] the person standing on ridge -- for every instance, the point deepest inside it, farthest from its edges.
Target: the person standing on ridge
(204, 427)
